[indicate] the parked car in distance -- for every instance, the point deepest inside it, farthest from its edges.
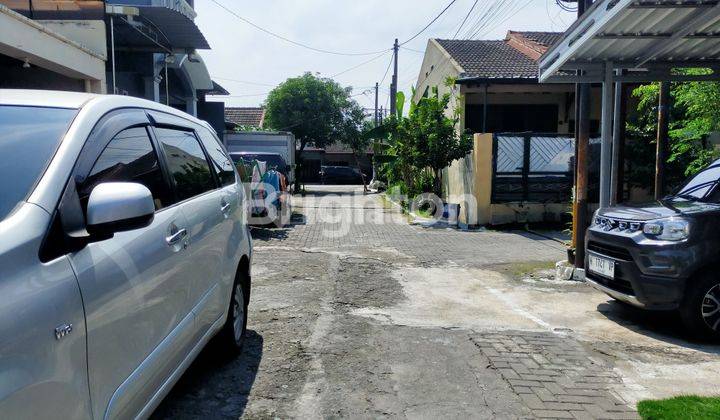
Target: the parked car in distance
(123, 250)
(340, 175)
(663, 255)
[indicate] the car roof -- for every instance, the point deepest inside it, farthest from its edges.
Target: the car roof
(49, 98)
(77, 100)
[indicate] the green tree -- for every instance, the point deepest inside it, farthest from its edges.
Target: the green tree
(423, 143)
(695, 114)
(356, 137)
(318, 111)
(437, 142)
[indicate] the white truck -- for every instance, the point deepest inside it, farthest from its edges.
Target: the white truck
(280, 142)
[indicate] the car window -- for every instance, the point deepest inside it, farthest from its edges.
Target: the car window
(129, 157)
(186, 161)
(702, 184)
(29, 137)
(221, 163)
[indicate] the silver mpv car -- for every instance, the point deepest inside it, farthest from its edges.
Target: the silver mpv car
(123, 249)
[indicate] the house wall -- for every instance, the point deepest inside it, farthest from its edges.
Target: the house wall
(88, 33)
(459, 188)
(468, 182)
(563, 96)
(437, 66)
(63, 63)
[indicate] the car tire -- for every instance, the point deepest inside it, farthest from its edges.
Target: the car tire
(232, 335)
(700, 309)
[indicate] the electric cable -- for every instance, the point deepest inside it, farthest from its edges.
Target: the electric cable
(297, 43)
(428, 25)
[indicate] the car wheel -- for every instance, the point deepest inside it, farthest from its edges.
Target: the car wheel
(233, 332)
(700, 309)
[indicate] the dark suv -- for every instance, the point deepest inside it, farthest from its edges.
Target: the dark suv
(664, 255)
(340, 175)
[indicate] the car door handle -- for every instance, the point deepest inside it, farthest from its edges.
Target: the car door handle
(225, 207)
(176, 237)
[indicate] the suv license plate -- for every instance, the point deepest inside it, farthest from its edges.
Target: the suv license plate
(602, 266)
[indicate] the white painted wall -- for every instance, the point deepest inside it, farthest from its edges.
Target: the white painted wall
(25, 39)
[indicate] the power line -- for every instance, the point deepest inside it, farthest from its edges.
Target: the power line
(413, 50)
(243, 81)
(299, 44)
(387, 70)
(466, 18)
(484, 19)
(428, 25)
(243, 96)
(510, 14)
(359, 65)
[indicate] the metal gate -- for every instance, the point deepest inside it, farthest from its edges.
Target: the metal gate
(531, 167)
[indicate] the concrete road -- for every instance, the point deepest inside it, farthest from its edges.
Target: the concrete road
(357, 313)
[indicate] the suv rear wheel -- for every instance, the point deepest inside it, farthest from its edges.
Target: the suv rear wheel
(232, 336)
(701, 307)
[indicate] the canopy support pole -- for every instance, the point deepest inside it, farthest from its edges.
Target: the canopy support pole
(618, 122)
(606, 142)
(662, 139)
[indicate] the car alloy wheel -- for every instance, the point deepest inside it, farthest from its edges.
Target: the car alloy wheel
(711, 308)
(238, 311)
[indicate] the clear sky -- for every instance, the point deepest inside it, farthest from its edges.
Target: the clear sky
(249, 62)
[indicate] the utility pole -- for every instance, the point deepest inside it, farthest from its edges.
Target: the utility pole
(662, 140)
(582, 143)
(377, 120)
(375, 149)
(393, 84)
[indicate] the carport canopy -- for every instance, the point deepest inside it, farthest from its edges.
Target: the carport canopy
(648, 40)
(634, 41)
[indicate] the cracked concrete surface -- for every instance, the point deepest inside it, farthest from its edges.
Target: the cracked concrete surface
(400, 321)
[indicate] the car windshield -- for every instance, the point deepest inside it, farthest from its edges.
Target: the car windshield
(703, 186)
(273, 161)
(29, 137)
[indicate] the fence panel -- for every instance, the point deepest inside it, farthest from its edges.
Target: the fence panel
(532, 167)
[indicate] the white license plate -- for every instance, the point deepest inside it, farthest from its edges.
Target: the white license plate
(602, 266)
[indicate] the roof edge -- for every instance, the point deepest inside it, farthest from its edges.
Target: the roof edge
(447, 54)
(498, 80)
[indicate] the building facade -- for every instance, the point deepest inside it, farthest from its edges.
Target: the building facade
(496, 84)
(143, 48)
(53, 45)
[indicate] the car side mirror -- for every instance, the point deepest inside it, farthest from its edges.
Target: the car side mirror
(118, 207)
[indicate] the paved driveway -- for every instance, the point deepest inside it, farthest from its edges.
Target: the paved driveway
(357, 313)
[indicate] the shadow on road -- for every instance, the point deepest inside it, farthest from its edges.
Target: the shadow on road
(269, 233)
(216, 385)
(661, 325)
(319, 190)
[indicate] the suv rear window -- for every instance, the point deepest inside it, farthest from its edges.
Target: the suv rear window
(29, 137)
(221, 163)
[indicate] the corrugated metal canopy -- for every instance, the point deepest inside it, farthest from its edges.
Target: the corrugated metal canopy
(177, 27)
(163, 24)
(654, 36)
